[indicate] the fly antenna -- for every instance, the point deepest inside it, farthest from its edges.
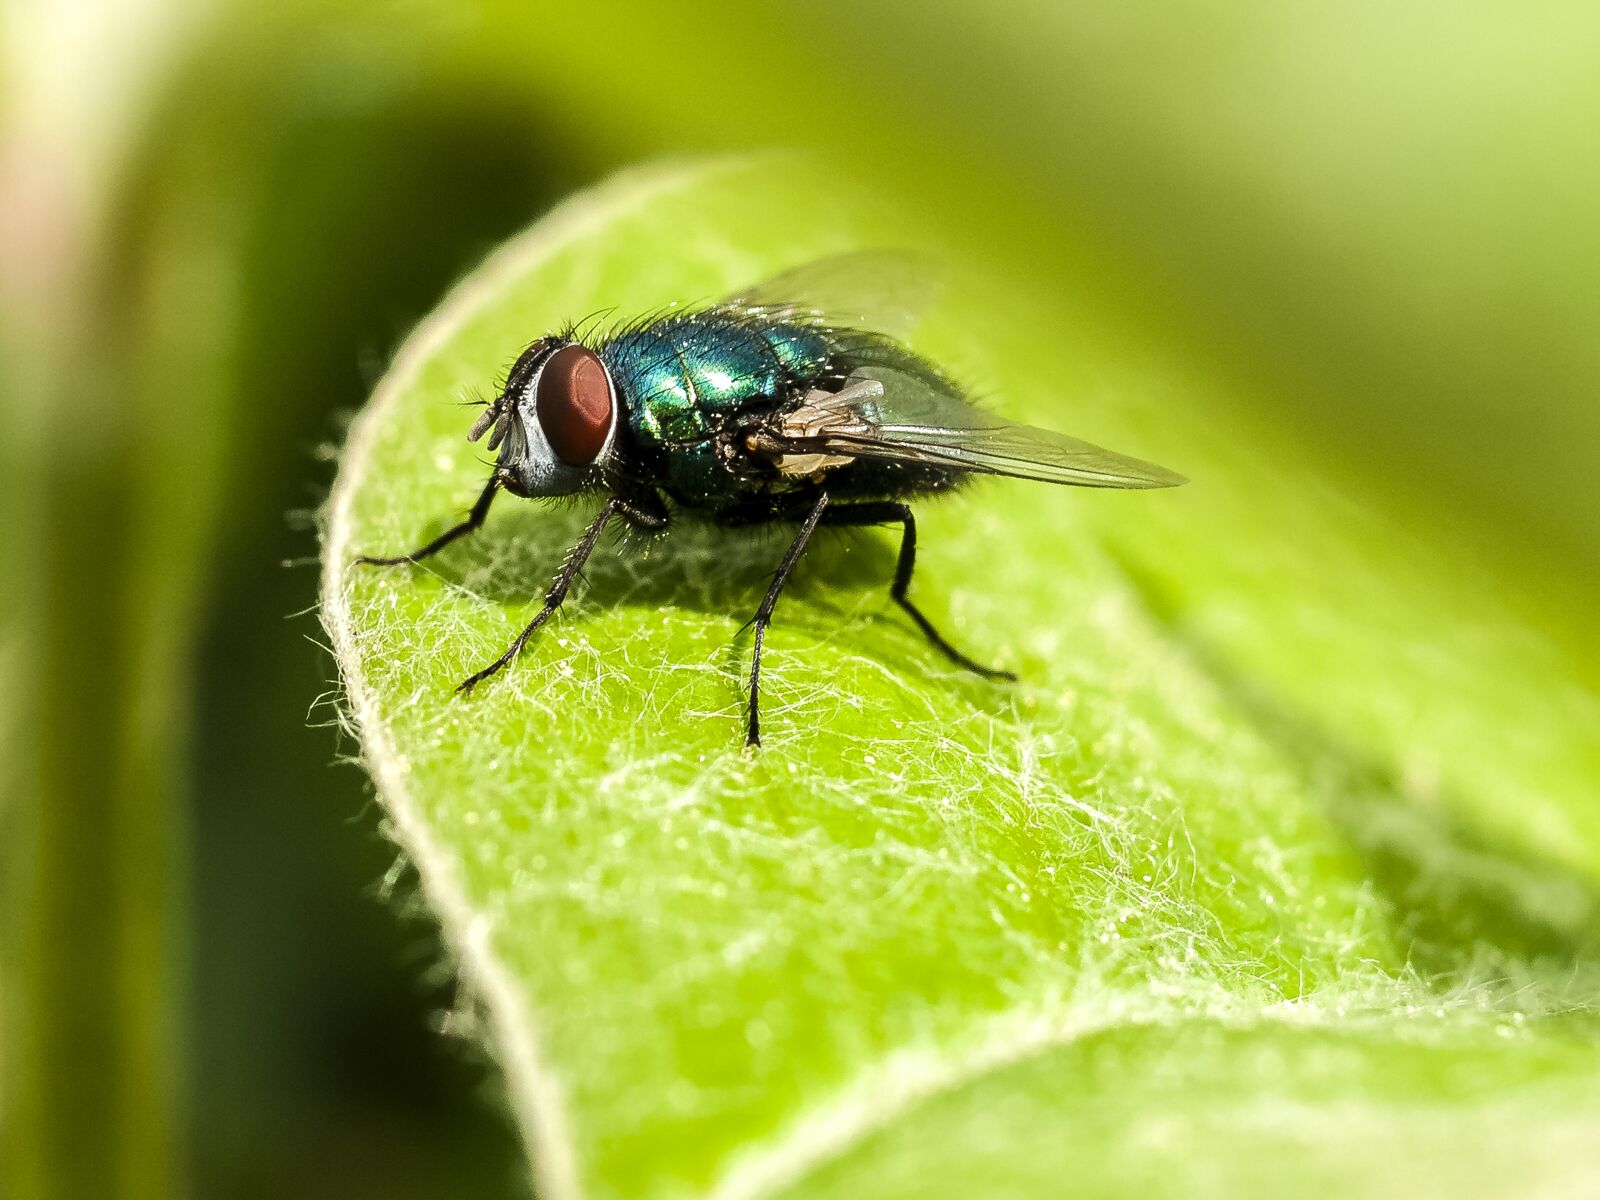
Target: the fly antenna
(501, 428)
(489, 416)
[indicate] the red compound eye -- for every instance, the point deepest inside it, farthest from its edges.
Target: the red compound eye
(574, 405)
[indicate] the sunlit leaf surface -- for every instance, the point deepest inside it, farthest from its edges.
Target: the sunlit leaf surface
(1279, 864)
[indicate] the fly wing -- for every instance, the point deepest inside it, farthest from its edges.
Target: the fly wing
(904, 411)
(885, 291)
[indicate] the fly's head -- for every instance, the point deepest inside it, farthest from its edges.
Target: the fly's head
(555, 424)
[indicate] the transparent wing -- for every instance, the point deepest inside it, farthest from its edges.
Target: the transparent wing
(903, 412)
(885, 291)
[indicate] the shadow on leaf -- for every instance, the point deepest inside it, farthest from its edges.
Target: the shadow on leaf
(840, 589)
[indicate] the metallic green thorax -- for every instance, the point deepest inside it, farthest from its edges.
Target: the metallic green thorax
(683, 379)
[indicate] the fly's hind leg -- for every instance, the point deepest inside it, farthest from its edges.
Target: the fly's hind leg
(883, 512)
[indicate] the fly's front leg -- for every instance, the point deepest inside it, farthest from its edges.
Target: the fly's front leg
(480, 510)
(575, 559)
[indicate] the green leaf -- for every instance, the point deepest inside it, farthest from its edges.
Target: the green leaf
(1281, 858)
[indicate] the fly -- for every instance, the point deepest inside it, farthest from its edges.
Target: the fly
(793, 403)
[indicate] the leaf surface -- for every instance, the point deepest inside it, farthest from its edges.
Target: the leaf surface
(1282, 858)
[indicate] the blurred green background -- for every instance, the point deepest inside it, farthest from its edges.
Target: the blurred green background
(219, 217)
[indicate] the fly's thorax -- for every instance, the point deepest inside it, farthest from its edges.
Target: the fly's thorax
(684, 377)
(555, 425)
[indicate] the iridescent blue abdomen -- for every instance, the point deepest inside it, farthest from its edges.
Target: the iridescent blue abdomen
(682, 380)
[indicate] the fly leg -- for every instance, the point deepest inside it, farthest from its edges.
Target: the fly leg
(480, 510)
(763, 615)
(882, 513)
(638, 514)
